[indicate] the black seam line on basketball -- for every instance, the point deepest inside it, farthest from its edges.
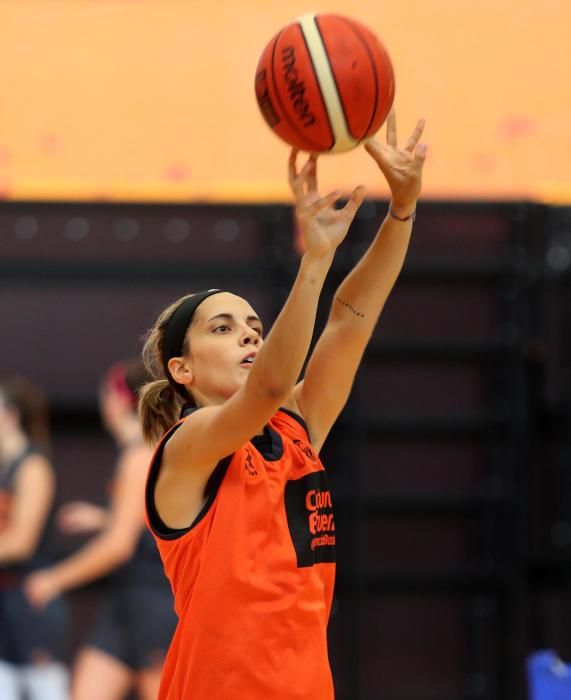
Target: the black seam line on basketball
(286, 118)
(350, 307)
(323, 103)
(373, 64)
(334, 79)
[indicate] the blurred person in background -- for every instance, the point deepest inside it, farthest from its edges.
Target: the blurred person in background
(32, 641)
(127, 644)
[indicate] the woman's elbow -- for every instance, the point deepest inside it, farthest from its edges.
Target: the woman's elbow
(271, 392)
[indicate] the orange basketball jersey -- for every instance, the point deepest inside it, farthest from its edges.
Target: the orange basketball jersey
(253, 576)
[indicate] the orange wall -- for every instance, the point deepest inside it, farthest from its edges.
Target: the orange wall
(153, 99)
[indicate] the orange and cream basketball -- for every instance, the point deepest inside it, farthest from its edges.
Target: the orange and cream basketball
(325, 83)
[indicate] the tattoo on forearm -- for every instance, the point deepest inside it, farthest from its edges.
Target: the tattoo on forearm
(350, 307)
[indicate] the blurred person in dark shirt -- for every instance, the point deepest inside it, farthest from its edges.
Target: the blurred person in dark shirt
(127, 645)
(32, 641)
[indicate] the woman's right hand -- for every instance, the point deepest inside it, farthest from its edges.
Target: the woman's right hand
(323, 227)
(80, 517)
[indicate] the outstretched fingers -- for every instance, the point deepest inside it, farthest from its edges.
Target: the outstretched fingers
(355, 201)
(416, 135)
(419, 156)
(392, 136)
(307, 175)
(292, 173)
(312, 173)
(375, 149)
(322, 203)
(381, 154)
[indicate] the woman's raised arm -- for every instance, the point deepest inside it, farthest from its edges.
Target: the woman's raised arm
(361, 296)
(218, 430)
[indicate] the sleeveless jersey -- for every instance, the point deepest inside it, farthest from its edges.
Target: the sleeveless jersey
(253, 575)
(11, 574)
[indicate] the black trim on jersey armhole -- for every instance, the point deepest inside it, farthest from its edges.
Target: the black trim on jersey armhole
(270, 445)
(296, 417)
(160, 529)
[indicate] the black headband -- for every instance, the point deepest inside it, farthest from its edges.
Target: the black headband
(176, 330)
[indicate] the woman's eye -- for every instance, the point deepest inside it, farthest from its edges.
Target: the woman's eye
(223, 328)
(259, 331)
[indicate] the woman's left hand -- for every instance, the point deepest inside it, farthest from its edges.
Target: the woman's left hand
(323, 227)
(41, 588)
(402, 167)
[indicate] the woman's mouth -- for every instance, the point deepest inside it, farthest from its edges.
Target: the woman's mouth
(248, 361)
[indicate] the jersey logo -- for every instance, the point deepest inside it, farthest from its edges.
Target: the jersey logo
(306, 449)
(249, 466)
(310, 519)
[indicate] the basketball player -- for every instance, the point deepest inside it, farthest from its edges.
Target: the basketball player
(236, 496)
(32, 642)
(128, 643)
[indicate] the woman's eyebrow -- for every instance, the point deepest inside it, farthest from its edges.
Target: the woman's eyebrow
(230, 317)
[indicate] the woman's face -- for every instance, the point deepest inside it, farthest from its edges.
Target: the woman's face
(224, 338)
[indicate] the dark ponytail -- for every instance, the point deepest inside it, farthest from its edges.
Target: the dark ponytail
(160, 403)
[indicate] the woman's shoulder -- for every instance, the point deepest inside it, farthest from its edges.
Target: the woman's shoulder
(35, 470)
(34, 458)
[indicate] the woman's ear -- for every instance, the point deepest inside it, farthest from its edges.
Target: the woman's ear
(180, 370)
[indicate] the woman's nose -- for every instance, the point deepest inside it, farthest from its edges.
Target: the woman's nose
(250, 336)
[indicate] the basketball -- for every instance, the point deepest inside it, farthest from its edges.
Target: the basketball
(325, 83)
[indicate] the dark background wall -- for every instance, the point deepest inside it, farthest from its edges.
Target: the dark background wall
(449, 464)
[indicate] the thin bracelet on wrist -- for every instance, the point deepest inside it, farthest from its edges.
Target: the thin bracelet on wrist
(401, 218)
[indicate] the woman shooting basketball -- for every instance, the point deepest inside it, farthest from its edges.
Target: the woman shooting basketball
(236, 496)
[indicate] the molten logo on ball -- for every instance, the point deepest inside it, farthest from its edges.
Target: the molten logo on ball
(295, 87)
